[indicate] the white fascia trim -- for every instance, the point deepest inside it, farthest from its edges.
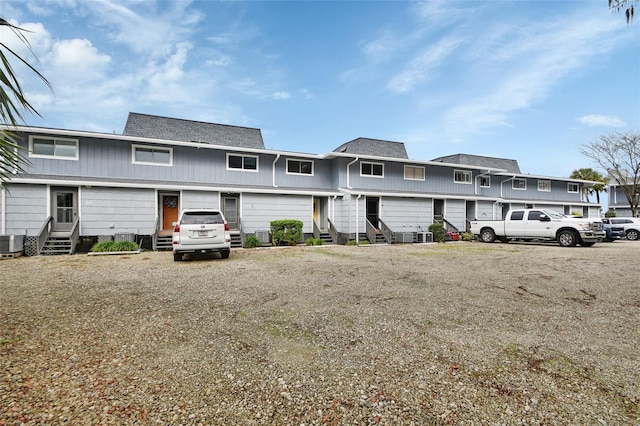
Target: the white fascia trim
(416, 195)
(176, 187)
(138, 139)
(551, 178)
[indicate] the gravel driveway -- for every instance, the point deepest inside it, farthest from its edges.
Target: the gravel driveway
(455, 333)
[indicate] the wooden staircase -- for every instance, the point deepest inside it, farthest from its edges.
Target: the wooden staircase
(236, 240)
(326, 237)
(57, 245)
(164, 243)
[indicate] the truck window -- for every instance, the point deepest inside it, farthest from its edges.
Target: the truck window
(535, 214)
(517, 215)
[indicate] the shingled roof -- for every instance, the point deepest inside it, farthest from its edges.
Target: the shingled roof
(510, 166)
(156, 127)
(374, 147)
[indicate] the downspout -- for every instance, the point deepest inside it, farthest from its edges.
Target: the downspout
(501, 193)
(349, 165)
(477, 190)
(3, 209)
(357, 219)
(273, 168)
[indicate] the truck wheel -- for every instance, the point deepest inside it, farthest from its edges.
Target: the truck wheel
(633, 235)
(487, 235)
(567, 238)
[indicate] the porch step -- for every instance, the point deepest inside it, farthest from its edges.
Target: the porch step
(326, 237)
(164, 243)
(57, 246)
(236, 240)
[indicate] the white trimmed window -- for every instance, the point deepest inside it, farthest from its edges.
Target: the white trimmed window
(242, 162)
(462, 176)
(519, 184)
(151, 155)
(371, 169)
(413, 173)
(572, 188)
(485, 181)
(299, 167)
(544, 185)
(59, 148)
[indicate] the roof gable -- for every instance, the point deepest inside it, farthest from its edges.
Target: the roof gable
(374, 147)
(156, 127)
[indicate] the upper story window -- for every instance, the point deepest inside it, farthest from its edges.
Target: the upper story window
(242, 162)
(299, 167)
(485, 181)
(371, 169)
(413, 173)
(46, 147)
(462, 176)
(572, 188)
(154, 155)
(519, 184)
(544, 185)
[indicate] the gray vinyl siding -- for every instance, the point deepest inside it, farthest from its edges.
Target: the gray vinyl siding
(407, 214)
(106, 211)
(321, 178)
(26, 209)
(455, 213)
(485, 210)
(342, 213)
(200, 200)
(258, 210)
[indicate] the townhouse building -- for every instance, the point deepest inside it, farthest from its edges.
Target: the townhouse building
(92, 186)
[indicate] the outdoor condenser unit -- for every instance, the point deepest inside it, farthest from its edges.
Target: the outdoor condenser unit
(264, 237)
(11, 243)
(425, 237)
(404, 237)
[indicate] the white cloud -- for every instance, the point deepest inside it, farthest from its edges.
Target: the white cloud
(420, 68)
(281, 95)
(77, 59)
(594, 120)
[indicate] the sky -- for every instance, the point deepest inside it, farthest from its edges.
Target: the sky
(526, 80)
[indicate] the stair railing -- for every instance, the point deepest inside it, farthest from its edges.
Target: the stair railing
(316, 230)
(387, 233)
(75, 235)
(44, 232)
(371, 232)
(241, 233)
(448, 226)
(154, 237)
(333, 231)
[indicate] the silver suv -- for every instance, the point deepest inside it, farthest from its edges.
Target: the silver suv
(631, 225)
(201, 231)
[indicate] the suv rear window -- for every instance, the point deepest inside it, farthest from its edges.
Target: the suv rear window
(201, 218)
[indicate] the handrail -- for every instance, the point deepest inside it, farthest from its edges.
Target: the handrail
(43, 234)
(75, 235)
(154, 237)
(333, 231)
(371, 232)
(316, 230)
(387, 233)
(450, 227)
(240, 229)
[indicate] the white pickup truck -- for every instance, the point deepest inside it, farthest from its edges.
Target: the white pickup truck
(540, 224)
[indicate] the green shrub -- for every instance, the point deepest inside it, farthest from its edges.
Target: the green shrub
(438, 232)
(251, 241)
(286, 232)
(314, 241)
(108, 246)
(352, 243)
(467, 236)
(610, 213)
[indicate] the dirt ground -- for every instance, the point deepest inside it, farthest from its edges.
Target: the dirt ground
(454, 333)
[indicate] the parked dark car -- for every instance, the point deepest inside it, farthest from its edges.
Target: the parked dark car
(631, 226)
(614, 232)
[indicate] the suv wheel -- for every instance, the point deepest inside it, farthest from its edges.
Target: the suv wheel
(177, 257)
(224, 254)
(633, 234)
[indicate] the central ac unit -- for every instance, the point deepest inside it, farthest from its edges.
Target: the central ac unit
(264, 237)
(404, 237)
(11, 243)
